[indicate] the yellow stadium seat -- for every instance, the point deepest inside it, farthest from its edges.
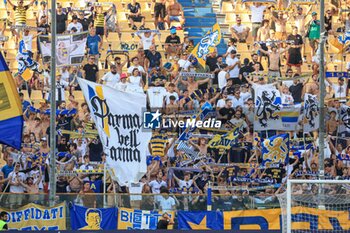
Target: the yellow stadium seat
(36, 95)
(78, 95)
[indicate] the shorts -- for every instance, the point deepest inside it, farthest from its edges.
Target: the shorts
(151, 158)
(136, 18)
(255, 28)
(313, 43)
(272, 75)
(100, 31)
(174, 18)
(159, 10)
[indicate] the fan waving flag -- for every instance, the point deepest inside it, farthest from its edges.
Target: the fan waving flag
(207, 44)
(11, 119)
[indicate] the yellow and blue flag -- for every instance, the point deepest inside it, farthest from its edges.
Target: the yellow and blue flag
(11, 117)
(200, 220)
(207, 44)
(275, 149)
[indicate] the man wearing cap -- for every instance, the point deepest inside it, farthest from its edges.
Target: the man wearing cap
(172, 44)
(234, 65)
(314, 32)
(112, 77)
(74, 24)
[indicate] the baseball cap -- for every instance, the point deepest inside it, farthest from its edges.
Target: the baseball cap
(233, 51)
(74, 17)
(167, 66)
(123, 75)
(172, 30)
(58, 73)
(314, 13)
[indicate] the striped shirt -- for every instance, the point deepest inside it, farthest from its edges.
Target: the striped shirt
(20, 14)
(100, 20)
(158, 144)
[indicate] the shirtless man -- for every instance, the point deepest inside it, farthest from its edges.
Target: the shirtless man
(311, 86)
(280, 24)
(332, 124)
(263, 35)
(31, 186)
(191, 84)
(175, 13)
(44, 147)
(299, 19)
(83, 112)
(37, 128)
(274, 61)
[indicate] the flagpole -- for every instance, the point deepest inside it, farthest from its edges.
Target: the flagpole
(53, 106)
(322, 92)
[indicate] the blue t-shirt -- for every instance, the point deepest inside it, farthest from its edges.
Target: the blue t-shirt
(92, 44)
(7, 170)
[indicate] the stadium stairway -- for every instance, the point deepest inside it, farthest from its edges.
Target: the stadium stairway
(200, 17)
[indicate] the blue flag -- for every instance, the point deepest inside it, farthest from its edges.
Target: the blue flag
(275, 149)
(83, 218)
(11, 119)
(200, 220)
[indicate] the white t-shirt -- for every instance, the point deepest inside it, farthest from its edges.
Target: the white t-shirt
(28, 41)
(77, 25)
(348, 66)
(238, 29)
(168, 94)
(339, 91)
(156, 96)
(65, 76)
(135, 188)
(135, 80)
(229, 49)
(257, 13)
(220, 103)
(111, 79)
(246, 96)
(166, 204)
(184, 64)
(20, 177)
(146, 41)
(140, 68)
(237, 102)
(121, 86)
(222, 79)
(155, 186)
(234, 73)
(185, 184)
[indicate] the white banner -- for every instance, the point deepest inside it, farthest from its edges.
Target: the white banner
(267, 107)
(345, 116)
(70, 48)
(311, 112)
(119, 119)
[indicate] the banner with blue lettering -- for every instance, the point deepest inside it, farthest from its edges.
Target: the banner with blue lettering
(83, 218)
(200, 220)
(34, 217)
(131, 219)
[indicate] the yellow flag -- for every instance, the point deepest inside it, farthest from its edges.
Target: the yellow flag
(207, 44)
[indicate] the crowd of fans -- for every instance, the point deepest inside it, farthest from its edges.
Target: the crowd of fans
(155, 71)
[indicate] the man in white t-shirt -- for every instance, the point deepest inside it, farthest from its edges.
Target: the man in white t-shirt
(75, 24)
(147, 39)
(257, 14)
(234, 65)
(112, 77)
(135, 64)
(223, 76)
(184, 184)
(158, 183)
(171, 92)
(16, 178)
(184, 63)
(240, 31)
(135, 188)
(339, 88)
(166, 203)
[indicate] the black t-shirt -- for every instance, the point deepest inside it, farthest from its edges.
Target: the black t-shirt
(90, 72)
(85, 23)
(163, 224)
(61, 23)
(134, 9)
(252, 63)
(245, 71)
(173, 40)
(95, 152)
(296, 91)
(229, 112)
(211, 62)
(154, 59)
(61, 186)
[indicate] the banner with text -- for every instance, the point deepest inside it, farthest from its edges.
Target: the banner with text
(34, 217)
(132, 219)
(119, 120)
